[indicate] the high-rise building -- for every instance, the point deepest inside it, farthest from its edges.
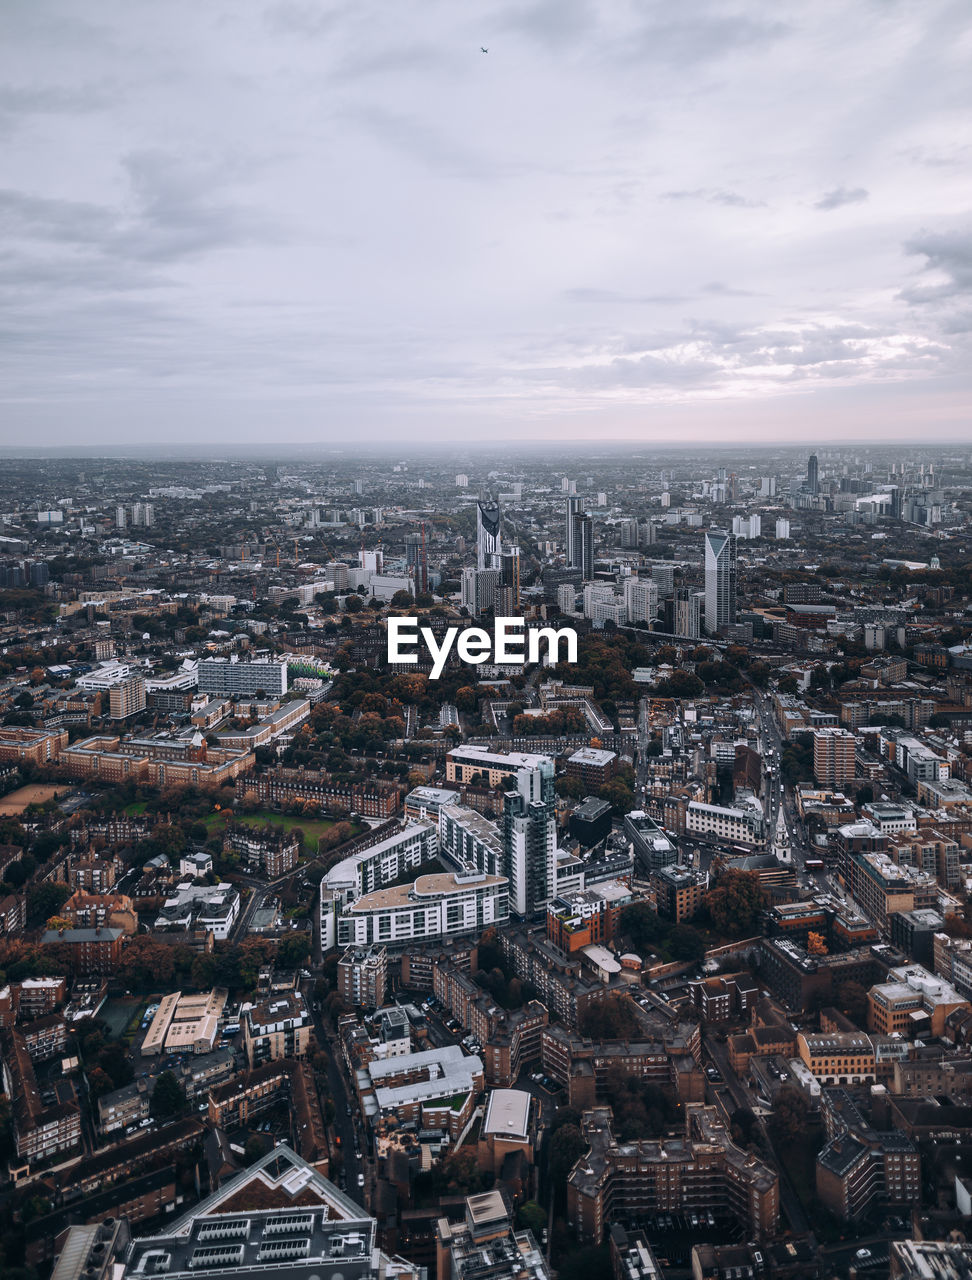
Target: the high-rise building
(530, 838)
(640, 599)
(509, 579)
(630, 534)
(362, 975)
(688, 612)
(782, 529)
(417, 559)
(813, 475)
(582, 546)
(572, 509)
(121, 517)
(127, 698)
(720, 581)
(462, 480)
(478, 589)
(488, 540)
(833, 757)
(566, 598)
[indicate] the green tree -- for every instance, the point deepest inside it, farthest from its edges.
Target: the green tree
(567, 1146)
(168, 1097)
(531, 1217)
(45, 900)
(293, 950)
(686, 943)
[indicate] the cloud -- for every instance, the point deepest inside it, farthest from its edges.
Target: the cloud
(710, 195)
(949, 253)
(840, 196)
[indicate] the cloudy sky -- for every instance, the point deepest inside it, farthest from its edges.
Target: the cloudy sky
(311, 220)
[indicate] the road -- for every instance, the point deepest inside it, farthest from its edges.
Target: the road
(349, 1128)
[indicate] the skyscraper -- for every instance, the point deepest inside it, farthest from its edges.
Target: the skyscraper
(530, 838)
(720, 581)
(572, 509)
(582, 546)
(488, 543)
(813, 475)
(510, 578)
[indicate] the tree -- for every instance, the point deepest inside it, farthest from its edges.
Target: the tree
(734, 905)
(567, 1146)
(531, 1217)
(45, 900)
(293, 950)
(642, 925)
(168, 1097)
(816, 944)
(788, 1123)
(851, 1000)
(686, 943)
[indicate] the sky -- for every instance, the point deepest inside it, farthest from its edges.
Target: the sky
(317, 221)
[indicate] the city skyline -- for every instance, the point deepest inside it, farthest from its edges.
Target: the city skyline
(297, 224)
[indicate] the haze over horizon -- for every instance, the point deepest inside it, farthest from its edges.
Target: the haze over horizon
(345, 224)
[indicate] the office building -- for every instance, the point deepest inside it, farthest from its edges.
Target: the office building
(813, 475)
(720, 581)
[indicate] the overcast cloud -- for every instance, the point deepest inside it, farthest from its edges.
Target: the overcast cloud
(311, 220)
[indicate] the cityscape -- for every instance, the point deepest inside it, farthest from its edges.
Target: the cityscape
(640, 959)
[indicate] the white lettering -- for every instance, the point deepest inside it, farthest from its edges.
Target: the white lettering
(553, 639)
(402, 630)
(474, 645)
(508, 644)
(439, 652)
(504, 626)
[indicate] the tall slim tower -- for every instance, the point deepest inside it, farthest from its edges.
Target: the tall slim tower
(487, 534)
(583, 548)
(572, 510)
(813, 474)
(720, 580)
(510, 577)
